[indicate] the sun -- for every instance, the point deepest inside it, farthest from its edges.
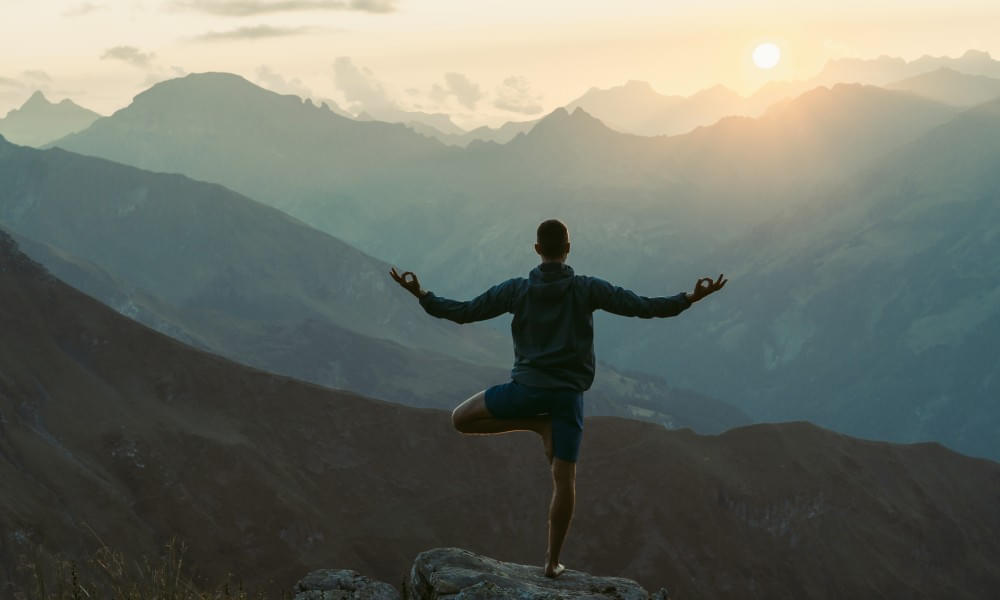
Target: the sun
(767, 55)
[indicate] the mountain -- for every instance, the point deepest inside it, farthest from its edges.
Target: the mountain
(110, 428)
(177, 124)
(499, 135)
(887, 69)
(417, 120)
(39, 121)
(951, 87)
(214, 252)
(653, 215)
(235, 311)
(323, 353)
(879, 298)
(637, 108)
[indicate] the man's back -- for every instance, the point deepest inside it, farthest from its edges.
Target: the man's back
(553, 326)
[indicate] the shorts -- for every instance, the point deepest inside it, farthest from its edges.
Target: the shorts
(517, 401)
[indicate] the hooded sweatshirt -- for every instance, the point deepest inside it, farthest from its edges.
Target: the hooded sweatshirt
(553, 326)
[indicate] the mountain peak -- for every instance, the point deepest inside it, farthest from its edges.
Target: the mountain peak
(36, 99)
(977, 54)
(211, 81)
(563, 125)
(636, 84)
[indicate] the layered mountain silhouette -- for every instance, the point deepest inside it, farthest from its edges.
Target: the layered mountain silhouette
(110, 428)
(209, 249)
(247, 128)
(887, 69)
(951, 87)
(654, 214)
(499, 135)
(636, 107)
(38, 121)
(881, 297)
(226, 274)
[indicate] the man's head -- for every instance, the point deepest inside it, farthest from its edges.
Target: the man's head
(553, 241)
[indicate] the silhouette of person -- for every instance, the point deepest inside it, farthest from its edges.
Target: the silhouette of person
(553, 331)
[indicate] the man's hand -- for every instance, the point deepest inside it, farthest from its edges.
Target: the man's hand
(411, 285)
(704, 287)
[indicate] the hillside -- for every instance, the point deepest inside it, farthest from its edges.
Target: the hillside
(109, 424)
(219, 271)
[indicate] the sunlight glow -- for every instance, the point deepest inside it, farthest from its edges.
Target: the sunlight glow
(766, 56)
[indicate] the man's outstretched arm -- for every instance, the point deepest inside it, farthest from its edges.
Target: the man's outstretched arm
(491, 303)
(627, 303)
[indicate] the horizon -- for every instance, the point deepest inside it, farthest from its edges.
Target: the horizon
(480, 65)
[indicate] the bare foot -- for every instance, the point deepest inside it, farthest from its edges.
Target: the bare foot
(554, 571)
(546, 434)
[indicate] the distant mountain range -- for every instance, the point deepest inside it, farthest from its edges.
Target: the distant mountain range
(951, 87)
(110, 431)
(652, 214)
(637, 108)
(226, 274)
(499, 135)
(39, 121)
(887, 69)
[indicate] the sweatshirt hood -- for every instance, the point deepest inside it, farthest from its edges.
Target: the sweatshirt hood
(550, 280)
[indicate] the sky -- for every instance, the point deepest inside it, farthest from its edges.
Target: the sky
(482, 61)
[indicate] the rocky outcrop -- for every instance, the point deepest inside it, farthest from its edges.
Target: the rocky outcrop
(458, 574)
(330, 584)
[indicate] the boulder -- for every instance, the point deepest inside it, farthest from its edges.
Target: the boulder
(458, 574)
(330, 584)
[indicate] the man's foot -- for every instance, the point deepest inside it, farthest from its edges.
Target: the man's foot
(554, 571)
(546, 433)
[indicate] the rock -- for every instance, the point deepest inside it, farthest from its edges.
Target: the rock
(458, 574)
(330, 584)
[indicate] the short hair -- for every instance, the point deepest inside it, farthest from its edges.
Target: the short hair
(552, 238)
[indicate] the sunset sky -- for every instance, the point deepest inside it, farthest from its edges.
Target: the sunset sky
(485, 62)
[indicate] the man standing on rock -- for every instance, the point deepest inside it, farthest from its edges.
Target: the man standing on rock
(553, 330)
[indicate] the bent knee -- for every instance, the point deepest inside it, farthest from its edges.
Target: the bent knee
(457, 420)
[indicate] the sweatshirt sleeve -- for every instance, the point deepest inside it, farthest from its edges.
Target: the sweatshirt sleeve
(627, 303)
(491, 303)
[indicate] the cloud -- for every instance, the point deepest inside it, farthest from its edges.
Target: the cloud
(255, 32)
(466, 92)
(277, 83)
(37, 76)
(245, 8)
(360, 87)
(144, 61)
(515, 95)
(374, 6)
(130, 55)
(83, 9)
(33, 80)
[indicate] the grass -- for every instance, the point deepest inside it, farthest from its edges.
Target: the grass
(109, 574)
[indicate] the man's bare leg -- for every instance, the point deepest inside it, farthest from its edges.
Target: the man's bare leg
(473, 418)
(560, 512)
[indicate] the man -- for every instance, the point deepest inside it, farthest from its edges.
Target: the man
(553, 332)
